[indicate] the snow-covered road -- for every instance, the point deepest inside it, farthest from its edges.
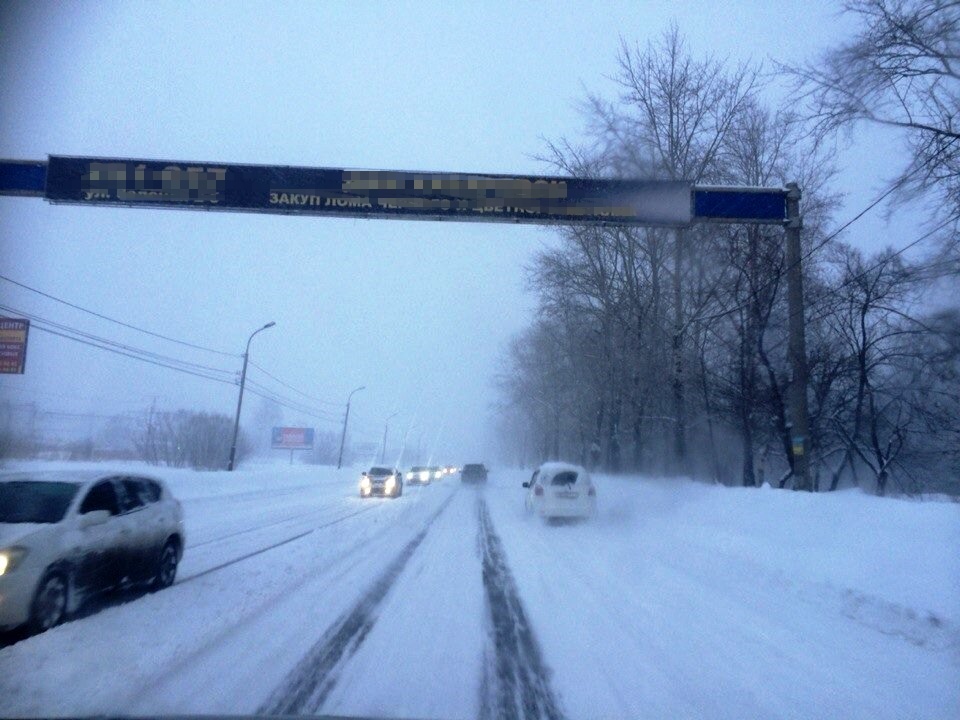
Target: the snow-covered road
(679, 600)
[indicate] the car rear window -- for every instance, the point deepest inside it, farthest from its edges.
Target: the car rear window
(568, 477)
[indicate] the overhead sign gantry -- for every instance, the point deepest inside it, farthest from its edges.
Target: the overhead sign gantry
(343, 192)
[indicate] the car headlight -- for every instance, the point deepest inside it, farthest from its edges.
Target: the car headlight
(364, 483)
(410, 476)
(424, 476)
(10, 558)
(390, 484)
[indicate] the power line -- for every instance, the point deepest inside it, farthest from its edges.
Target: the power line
(887, 258)
(292, 404)
(803, 258)
(830, 292)
(806, 256)
(291, 387)
(318, 413)
(114, 320)
(140, 351)
(135, 357)
(202, 371)
(859, 276)
(113, 343)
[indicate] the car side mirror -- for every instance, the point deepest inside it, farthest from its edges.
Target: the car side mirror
(95, 517)
(526, 484)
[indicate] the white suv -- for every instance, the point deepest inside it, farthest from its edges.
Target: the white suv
(66, 535)
(561, 490)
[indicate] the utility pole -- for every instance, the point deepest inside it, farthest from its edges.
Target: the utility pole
(677, 382)
(243, 380)
(798, 424)
(346, 419)
(383, 448)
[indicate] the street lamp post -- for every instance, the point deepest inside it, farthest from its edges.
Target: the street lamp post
(243, 380)
(346, 419)
(403, 446)
(383, 448)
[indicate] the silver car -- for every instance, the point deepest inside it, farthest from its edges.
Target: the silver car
(67, 535)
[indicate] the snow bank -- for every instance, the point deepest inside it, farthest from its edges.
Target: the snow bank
(902, 551)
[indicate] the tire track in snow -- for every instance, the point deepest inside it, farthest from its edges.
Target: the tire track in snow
(262, 550)
(141, 698)
(516, 681)
(255, 528)
(311, 681)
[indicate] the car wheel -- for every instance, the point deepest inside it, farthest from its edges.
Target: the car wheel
(49, 607)
(166, 566)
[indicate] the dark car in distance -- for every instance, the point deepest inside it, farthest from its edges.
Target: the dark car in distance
(473, 473)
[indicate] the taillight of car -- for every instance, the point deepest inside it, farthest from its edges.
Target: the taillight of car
(538, 490)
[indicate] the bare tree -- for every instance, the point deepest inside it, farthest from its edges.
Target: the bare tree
(673, 118)
(763, 148)
(901, 70)
(268, 416)
(884, 371)
(326, 444)
(188, 439)
(639, 329)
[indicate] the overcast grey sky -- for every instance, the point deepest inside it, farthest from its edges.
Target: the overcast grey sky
(416, 311)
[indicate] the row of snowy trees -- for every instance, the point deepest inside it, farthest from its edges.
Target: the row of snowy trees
(666, 350)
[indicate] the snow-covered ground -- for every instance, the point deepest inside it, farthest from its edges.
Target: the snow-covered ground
(679, 600)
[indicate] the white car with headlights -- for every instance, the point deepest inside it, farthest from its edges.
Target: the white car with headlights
(419, 475)
(67, 535)
(561, 490)
(382, 482)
